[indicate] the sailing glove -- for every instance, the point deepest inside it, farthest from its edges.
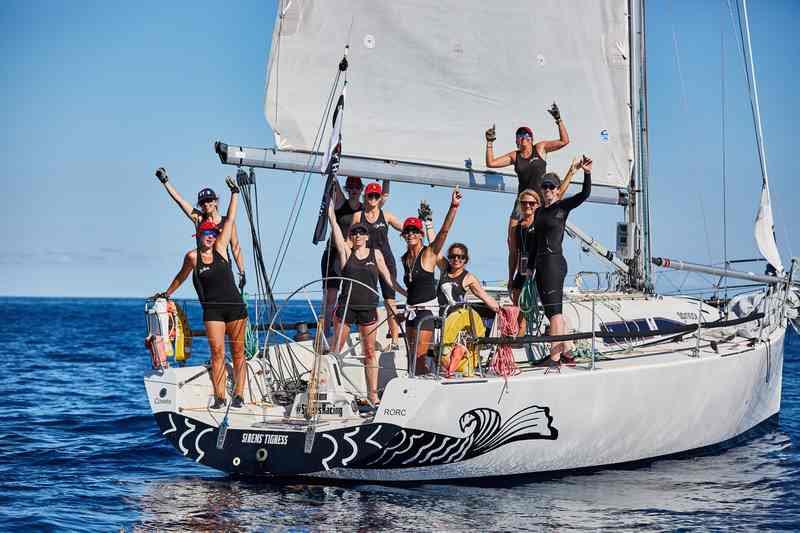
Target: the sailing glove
(232, 185)
(242, 281)
(491, 134)
(425, 212)
(161, 174)
(555, 113)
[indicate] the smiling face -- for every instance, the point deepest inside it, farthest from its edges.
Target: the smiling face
(358, 237)
(550, 193)
(528, 203)
(208, 206)
(457, 257)
(413, 236)
(208, 238)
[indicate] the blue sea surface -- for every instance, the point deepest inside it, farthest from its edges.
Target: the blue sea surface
(80, 450)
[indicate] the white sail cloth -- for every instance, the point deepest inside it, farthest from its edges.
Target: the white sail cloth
(427, 78)
(764, 230)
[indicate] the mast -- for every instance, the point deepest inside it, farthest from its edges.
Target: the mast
(638, 211)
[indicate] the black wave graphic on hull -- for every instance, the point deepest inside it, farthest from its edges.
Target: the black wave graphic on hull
(369, 446)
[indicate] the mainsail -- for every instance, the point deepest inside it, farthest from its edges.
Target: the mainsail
(424, 95)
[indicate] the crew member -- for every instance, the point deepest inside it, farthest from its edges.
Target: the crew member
(456, 280)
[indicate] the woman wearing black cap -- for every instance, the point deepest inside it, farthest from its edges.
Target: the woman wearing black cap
(207, 202)
(551, 267)
(357, 303)
(529, 159)
(224, 312)
(419, 263)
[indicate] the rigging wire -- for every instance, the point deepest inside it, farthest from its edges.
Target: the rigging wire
(724, 151)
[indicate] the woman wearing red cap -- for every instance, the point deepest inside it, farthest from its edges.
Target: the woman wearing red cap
(419, 263)
(357, 303)
(344, 209)
(529, 159)
(207, 202)
(224, 312)
(378, 221)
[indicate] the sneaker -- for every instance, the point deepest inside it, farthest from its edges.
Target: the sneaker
(237, 402)
(219, 403)
(549, 365)
(567, 359)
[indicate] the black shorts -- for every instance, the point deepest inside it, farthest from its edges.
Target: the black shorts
(330, 268)
(360, 317)
(224, 312)
(387, 291)
(422, 321)
(550, 273)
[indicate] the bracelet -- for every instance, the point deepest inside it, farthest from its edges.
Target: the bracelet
(428, 224)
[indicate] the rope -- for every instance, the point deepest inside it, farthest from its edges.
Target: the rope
(529, 306)
(503, 361)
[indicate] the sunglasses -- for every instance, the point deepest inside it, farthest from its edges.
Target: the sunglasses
(373, 196)
(460, 257)
(412, 231)
(358, 232)
(528, 204)
(523, 136)
(207, 201)
(549, 186)
(210, 233)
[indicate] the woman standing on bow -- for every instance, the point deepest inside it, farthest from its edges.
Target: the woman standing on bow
(529, 159)
(419, 263)
(378, 221)
(456, 280)
(207, 209)
(551, 267)
(358, 302)
(224, 312)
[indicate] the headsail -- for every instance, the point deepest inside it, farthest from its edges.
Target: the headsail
(432, 76)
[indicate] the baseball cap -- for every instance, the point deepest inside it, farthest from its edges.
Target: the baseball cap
(206, 194)
(412, 222)
(551, 178)
(374, 188)
(206, 225)
(525, 130)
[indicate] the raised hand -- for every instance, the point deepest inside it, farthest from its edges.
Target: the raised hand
(555, 112)
(491, 134)
(455, 201)
(425, 212)
(229, 181)
(586, 164)
(161, 174)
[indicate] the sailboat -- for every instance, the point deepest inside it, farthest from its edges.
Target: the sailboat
(661, 374)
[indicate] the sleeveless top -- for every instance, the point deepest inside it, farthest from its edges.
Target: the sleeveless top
(363, 270)
(420, 283)
(530, 171)
(526, 245)
(451, 290)
(214, 281)
(378, 232)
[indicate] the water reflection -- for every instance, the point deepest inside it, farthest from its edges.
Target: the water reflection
(749, 484)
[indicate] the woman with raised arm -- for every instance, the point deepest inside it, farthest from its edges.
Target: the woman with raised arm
(456, 280)
(207, 209)
(551, 267)
(529, 159)
(419, 263)
(357, 303)
(378, 221)
(224, 312)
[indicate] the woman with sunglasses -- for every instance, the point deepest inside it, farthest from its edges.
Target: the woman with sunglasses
(456, 280)
(522, 249)
(529, 159)
(207, 202)
(358, 304)
(344, 209)
(551, 267)
(419, 263)
(224, 312)
(378, 222)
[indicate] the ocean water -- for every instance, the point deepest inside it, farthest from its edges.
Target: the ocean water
(79, 450)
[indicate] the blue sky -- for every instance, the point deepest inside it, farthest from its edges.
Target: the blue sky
(98, 94)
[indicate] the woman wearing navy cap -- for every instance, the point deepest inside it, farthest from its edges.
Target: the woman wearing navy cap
(207, 202)
(224, 312)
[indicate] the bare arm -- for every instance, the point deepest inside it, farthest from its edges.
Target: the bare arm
(576, 164)
(341, 245)
(498, 162)
(438, 242)
(183, 273)
(552, 146)
(383, 270)
(236, 249)
(185, 206)
(475, 287)
(513, 257)
(392, 220)
(227, 228)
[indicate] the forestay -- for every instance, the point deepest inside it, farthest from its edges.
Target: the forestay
(427, 78)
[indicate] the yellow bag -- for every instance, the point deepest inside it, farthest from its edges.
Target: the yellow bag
(462, 319)
(182, 332)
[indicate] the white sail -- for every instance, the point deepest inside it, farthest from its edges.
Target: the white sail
(764, 230)
(427, 78)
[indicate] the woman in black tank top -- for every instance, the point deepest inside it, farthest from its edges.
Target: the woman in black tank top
(358, 300)
(419, 263)
(224, 311)
(456, 280)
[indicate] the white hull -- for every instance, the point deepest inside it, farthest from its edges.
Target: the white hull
(650, 402)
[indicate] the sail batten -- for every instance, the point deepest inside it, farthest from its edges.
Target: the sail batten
(428, 78)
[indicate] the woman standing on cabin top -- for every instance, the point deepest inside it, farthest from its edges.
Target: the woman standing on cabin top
(344, 209)
(366, 265)
(207, 202)
(529, 159)
(224, 312)
(419, 263)
(378, 221)
(551, 267)
(456, 280)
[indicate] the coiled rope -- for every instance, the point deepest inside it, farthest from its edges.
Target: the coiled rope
(503, 363)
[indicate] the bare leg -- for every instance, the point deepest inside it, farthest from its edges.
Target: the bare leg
(215, 331)
(330, 304)
(340, 332)
(368, 333)
(556, 328)
(394, 328)
(235, 331)
(424, 338)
